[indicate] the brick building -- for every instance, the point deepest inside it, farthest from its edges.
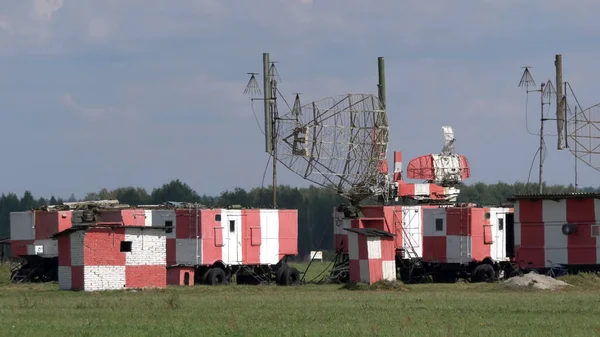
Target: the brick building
(111, 256)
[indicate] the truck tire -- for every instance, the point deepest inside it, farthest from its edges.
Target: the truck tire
(483, 273)
(290, 277)
(216, 276)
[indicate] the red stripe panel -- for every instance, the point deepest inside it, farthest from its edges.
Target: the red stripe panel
(64, 250)
(77, 278)
(133, 217)
(19, 247)
(171, 251)
(397, 224)
(288, 232)
(354, 270)
(363, 251)
(102, 247)
(64, 223)
(186, 224)
(434, 248)
(388, 251)
(212, 237)
(145, 276)
(375, 270)
(251, 234)
(46, 224)
(475, 221)
(457, 221)
(582, 246)
(532, 234)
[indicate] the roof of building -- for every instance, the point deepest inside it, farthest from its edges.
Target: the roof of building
(4, 241)
(554, 196)
(370, 232)
(112, 225)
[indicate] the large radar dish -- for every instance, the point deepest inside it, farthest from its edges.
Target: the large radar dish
(338, 142)
(584, 131)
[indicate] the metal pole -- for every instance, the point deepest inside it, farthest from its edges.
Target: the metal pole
(541, 135)
(381, 68)
(274, 141)
(576, 154)
(560, 116)
(267, 103)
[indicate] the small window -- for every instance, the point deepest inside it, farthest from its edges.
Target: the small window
(125, 246)
(218, 217)
(439, 225)
(169, 226)
(487, 215)
(232, 226)
(500, 224)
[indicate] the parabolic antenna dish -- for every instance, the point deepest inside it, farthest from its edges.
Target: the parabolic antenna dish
(584, 136)
(338, 142)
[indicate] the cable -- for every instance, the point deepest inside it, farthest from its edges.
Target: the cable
(531, 167)
(256, 118)
(262, 184)
(319, 248)
(527, 115)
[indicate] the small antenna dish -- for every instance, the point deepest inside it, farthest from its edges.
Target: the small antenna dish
(526, 79)
(549, 90)
(274, 73)
(297, 108)
(252, 88)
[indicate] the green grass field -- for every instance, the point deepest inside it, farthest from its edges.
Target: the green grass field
(312, 310)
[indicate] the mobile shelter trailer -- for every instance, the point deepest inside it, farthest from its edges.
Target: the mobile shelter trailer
(559, 231)
(220, 245)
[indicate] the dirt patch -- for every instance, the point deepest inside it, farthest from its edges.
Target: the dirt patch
(534, 281)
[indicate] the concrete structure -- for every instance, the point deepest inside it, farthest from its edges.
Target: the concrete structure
(108, 256)
(181, 275)
(372, 255)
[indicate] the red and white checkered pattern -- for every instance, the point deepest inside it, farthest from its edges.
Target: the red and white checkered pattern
(30, 232)
(539, 237)
(466, 233)
(91, 258)
(230, 236)
(372, 258)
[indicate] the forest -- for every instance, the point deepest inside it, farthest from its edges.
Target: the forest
(314, 204)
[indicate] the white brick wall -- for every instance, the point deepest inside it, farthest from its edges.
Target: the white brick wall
(148, 247)
(77, 248)
(64, 278)
(104, 277)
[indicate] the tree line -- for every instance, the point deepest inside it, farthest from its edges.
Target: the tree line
(314, 204)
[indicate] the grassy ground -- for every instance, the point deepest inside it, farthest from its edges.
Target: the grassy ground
(312, 310)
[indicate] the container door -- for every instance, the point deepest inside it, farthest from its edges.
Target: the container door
(234, 242)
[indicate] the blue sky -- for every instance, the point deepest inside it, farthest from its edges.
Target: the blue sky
(116, 93)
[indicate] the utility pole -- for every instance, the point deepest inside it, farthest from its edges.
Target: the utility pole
(381, 86)
(541, 135)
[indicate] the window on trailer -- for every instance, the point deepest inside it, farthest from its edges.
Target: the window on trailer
(439, 225)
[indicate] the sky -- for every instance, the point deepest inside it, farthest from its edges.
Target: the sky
(118, 93)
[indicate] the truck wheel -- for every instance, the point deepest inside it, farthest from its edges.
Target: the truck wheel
(484, 273)
(279, 275)
(216, 276)
(290, 277)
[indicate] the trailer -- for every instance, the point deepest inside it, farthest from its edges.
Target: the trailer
(217, 246)
(31, 235)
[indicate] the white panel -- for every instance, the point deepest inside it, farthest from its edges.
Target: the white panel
(389, 270)
(556, 245)
(498, 248)
(64, 278)
(458, 249)
(159, 216)
(352, 246)
(103, 277)
(148, 219)
(50, 247)
(411, 223)
(597, 217)
(185, 251)
(373, 247)
(269, 232)
(22, 225)
(421, 189)
(76, 240)
(517, 224)
(232, 249)
(429, 217)
(364, 271)
(148, 247)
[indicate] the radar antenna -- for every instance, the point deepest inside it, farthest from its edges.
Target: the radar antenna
(340, 143)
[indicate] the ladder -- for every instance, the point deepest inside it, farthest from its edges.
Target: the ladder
(411, 253)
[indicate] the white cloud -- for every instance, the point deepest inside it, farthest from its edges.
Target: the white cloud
(96, 113)
(44, 9)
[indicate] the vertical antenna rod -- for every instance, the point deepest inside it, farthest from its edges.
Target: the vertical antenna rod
(267, 102)
(560, 109)
(541, 135)
(381, 86)
(274, 140)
